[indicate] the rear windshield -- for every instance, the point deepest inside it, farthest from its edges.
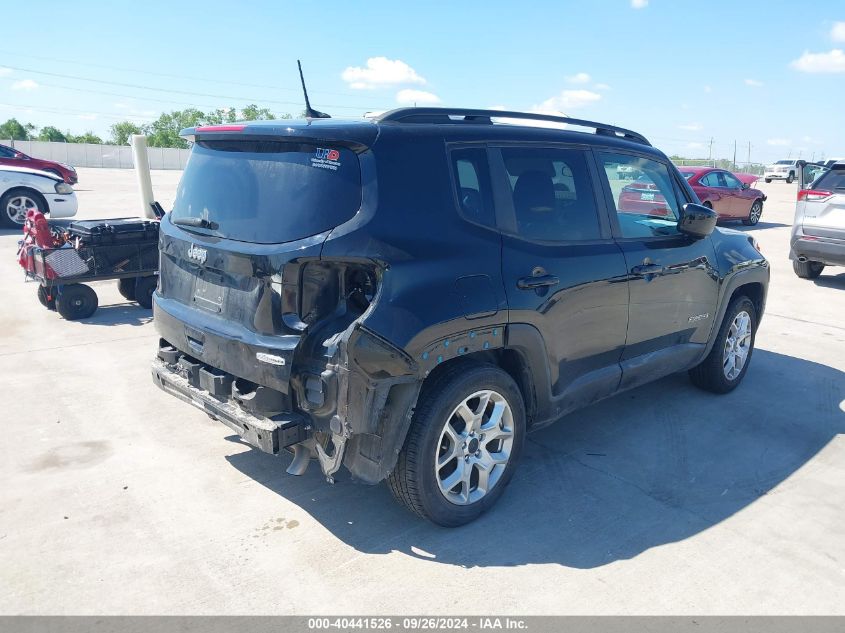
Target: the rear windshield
(833, 180)
(784, 162)
(268, 191)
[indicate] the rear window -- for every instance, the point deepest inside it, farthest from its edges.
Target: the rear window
(833, 180)
(268, 191)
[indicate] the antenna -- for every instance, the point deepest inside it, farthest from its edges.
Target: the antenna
(310, 112)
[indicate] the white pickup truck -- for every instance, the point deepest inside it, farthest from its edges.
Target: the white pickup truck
(782, 170)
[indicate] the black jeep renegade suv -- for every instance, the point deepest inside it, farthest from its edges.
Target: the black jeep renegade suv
(408, 295)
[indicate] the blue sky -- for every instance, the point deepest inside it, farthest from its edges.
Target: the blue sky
(768, 73)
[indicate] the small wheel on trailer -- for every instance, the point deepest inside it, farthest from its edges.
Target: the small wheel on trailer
(144, 288)
(47, 297)
(76, 301)
(126, 287)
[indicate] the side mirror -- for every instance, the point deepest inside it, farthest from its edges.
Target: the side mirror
(697, 221)
(745, 186)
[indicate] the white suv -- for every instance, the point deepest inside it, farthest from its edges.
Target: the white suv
(818, 232)
(782, 170)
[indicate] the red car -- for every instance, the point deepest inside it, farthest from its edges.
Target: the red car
(13, 158)
(729, 195)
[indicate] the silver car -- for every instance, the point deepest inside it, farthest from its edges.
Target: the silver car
(818, 231)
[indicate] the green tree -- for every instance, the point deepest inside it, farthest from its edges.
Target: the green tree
(120, 132)
(253, 113)
(87, 137)
(164, 131)
(12, 129)
(50, 133)
(221, 115)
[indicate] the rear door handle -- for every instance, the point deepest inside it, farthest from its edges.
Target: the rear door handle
(647, 269)
(541, 281)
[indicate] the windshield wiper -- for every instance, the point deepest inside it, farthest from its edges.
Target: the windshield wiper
(197, 222)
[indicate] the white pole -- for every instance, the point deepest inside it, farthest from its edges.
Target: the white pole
(142, 169)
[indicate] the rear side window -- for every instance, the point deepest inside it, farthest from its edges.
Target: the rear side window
(553, 196)
(834, 180)
(472, 180)
(268, 191)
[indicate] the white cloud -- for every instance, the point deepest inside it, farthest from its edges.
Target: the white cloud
(831, 62)
(639, 4)
(5, 72)
(779, 142)
(409, 96)
(381, 71)
(601, 87)
(25, 84)
(692, 127)
(837, 32)
(753, 83)
(579, 78)
(568, 100)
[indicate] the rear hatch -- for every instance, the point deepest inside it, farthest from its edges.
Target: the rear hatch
(254, 205)
(824, 205)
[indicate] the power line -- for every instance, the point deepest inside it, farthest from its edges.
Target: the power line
(168, 75)
(182, 92)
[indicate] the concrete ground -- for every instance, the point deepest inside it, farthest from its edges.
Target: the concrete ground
(119, 499)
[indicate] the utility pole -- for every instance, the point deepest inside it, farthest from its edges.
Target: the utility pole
(748, 166)
(710, 151)
(734, 153)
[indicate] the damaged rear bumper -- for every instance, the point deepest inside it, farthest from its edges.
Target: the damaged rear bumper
(206, 388)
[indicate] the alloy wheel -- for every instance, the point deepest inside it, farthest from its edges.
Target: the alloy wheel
(737, 346)
(18, 206)
(474, 448)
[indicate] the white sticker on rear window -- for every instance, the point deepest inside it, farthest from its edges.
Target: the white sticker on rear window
(326, 159)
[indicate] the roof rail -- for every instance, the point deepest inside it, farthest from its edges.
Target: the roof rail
(472, 116)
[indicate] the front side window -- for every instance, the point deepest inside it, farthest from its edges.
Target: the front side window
(647, 207)
(553, 196)
(472, 179)
(731, 181)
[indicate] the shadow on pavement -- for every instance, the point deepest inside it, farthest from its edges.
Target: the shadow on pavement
(759, 226)
(831, 281)
(649, 467)
(120, 314)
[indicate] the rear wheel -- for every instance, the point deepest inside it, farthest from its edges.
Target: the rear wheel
(754, 214)
(463, 445)
(126, 287)
(807, 270)
(768, 180)
(726, 364)
(144, 288)
(76, 301)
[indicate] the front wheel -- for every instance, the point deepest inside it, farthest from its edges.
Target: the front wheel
(754, 214)
(790, 178)
(808, 269)
(726, 364)
(464, 443)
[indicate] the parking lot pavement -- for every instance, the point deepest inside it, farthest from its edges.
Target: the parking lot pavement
(118, 499)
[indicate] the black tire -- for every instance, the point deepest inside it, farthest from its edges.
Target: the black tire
(126, 288)
(413, 481)
(76, 301)
(807, 270)
(5, 219)
(144, 288)
(710, 373)
(768, 180)
(790, 178)
(754, 214)
(47, 298)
